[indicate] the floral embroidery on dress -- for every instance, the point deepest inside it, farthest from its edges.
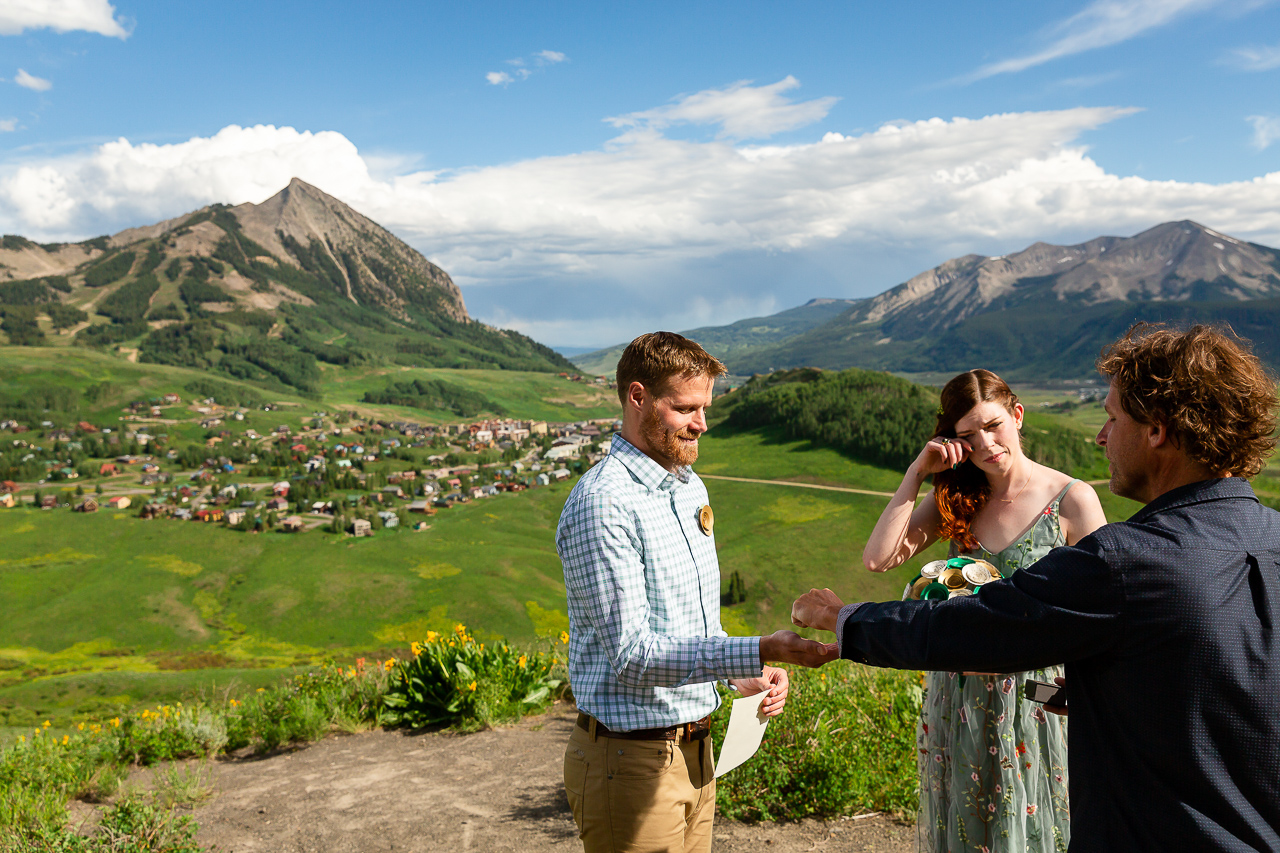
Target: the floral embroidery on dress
(993, 766)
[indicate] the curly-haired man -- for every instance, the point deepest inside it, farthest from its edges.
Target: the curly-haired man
(1166, 622)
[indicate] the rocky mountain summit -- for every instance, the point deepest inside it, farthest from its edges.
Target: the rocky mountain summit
(257, 291)
(1043, 312)
(1175, 261)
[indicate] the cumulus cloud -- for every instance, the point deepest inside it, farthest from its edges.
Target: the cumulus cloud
(94, 16)
(8, 125)
(520, 67)
(743, 111)
(569, 247)
(30, 81)
(1254, 58)
(1100, 24)
(1266, 130)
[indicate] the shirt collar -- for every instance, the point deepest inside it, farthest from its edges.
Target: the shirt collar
(650, 474)
(1218, 488)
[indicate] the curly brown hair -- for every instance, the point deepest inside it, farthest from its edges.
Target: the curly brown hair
(961, 492)
(1204, 385)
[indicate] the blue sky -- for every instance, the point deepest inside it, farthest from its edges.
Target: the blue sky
(589, 171)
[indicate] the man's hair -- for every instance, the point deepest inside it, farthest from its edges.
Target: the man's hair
(655, 359)
(1204, 385)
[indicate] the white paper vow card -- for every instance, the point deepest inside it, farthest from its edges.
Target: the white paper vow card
(746, 728)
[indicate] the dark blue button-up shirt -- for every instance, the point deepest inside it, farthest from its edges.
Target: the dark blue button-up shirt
(1166, 624)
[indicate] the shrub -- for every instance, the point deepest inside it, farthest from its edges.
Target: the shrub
(455, 680)
(130, 301)
(844, 744)
(168, 311)
(110, 269)
(65, 316)
(41, 772)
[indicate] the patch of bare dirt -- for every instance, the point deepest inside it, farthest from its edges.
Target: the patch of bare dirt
(494, 791)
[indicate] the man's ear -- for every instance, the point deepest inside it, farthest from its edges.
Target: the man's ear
(1158, 434)
(636, 396)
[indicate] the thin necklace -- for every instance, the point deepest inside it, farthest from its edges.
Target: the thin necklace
(1020, 491)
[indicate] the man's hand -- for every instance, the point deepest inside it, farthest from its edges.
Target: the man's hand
(774, 680)
(1060, 710)
(817, 608)
(790, 647)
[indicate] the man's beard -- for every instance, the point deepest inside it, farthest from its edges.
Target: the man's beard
(665, 443)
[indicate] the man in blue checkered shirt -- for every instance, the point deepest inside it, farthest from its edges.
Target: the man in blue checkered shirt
(646, 646)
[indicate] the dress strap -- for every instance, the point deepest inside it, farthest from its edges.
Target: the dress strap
(1062, 494)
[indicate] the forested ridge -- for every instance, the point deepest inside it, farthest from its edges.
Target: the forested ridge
(880, 418)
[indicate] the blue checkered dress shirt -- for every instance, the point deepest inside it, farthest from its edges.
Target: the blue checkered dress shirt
(644, 596)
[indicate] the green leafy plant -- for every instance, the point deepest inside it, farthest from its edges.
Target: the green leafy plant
(844, 744)
(453, 679)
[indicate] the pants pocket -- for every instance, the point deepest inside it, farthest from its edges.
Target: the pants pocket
(639, 759)
(575, 779)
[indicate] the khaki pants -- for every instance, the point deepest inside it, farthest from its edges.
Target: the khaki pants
(640, 796)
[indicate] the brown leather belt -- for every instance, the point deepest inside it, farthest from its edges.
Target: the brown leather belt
(697, 730)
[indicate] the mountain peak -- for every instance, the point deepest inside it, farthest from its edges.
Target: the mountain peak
(1174, 261)
(302, 223)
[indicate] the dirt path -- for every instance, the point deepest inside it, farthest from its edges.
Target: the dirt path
(797, 485)
(492, 792)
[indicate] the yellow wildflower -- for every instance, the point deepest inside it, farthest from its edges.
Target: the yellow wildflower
(80, 726)
(522, 662)
(472, 687)
(431, 636)
(415, 648)
(66, 739)
(451, 644)
(389, 664)
(47, 724)
(564, 636)
(459, 628)
(261, 690)
(115, 721)
(22, 738)
(235, 704)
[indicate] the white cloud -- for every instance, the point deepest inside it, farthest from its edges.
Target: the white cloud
(540, 60)
(743, 111)
(8, 125)
(1266, 130)
(30, 81)
(572, 245)
(94, 16)
(1263, 58)
(1100, 24)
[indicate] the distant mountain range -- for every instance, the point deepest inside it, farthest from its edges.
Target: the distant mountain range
(256, 291)
(1044, 312)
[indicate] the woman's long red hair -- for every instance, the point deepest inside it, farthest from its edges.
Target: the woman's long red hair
(959, 493)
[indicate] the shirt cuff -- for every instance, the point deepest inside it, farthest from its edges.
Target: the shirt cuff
(742, 657)
(845, 612)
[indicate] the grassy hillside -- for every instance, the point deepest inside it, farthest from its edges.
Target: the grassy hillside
(728, 342)
(104, 610)
(87, 384)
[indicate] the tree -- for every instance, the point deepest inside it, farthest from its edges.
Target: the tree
(79, 490)
(98, 489)
(272, 519)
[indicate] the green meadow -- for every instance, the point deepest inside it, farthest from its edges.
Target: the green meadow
(106, 610)
(102, 383)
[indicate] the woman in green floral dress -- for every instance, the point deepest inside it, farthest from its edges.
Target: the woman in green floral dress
(993, 766)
